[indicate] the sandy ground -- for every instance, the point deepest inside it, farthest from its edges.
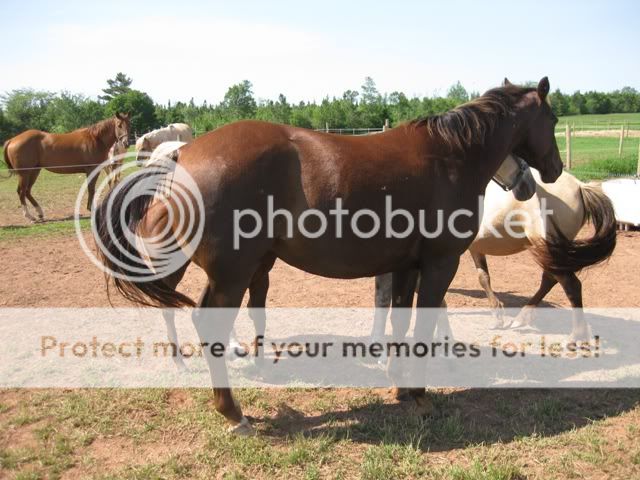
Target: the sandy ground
(54, 272)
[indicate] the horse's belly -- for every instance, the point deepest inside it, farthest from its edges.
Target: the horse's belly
(341, 259)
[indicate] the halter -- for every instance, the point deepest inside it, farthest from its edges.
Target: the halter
(505, 184)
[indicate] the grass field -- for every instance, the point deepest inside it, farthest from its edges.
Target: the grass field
(171, 434)
(602, 121)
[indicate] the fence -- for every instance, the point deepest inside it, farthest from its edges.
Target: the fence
(600, 150)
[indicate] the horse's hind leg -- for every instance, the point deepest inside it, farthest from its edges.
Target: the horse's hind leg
(383, 285)
(32, 180)
(23, 187)
(258, 289)
(573, 289)
(213, 320)
(480, 261)
(527, 314)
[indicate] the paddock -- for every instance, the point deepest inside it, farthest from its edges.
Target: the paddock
(354, 433)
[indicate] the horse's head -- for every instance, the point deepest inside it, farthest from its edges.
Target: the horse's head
(514, 175)
(122, 124)
(537, 146)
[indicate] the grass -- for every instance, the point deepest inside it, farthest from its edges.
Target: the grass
(601, 121)
(144, 434)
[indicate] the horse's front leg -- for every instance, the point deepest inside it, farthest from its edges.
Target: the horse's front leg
(91, 188)
(436, 275)
(403, 285)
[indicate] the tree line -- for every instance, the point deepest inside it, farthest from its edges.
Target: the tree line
(23, 109)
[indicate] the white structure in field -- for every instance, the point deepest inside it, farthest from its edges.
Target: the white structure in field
(625, 195)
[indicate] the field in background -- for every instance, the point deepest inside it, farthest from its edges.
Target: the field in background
(593, 158)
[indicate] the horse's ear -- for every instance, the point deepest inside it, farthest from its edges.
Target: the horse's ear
(119, 116)
(543, 89)
(506, 82)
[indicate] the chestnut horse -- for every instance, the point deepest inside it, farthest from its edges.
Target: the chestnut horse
(433, 166)
(80, 151)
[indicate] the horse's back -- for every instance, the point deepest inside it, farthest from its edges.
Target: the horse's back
(562, 200)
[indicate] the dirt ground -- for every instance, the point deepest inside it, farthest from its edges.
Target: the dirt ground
(54, 272)
(481, 434)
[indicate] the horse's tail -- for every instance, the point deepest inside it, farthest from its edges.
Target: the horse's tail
(5, 151)
(121, 257)
(559, 254)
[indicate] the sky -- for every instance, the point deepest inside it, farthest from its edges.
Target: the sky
(185, 49)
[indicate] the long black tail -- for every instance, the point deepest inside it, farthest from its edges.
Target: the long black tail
(558, 254)
(121, 256)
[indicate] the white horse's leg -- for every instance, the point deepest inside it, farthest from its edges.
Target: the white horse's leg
(497, 308)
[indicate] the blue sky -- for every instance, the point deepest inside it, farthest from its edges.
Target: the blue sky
(307, 50)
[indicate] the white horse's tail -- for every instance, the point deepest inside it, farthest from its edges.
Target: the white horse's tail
(559, 254)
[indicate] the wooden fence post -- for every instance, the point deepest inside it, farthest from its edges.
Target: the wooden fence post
(638, 167)
(621, 140)
(567, 135)
(385, 127)
(326, 127)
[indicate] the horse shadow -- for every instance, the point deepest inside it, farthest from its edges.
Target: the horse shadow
(508, 299)
(463, 417)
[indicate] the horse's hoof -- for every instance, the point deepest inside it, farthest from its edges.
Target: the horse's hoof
(524, 318)
(244, 428)
(401, 394)
(580, 336)
(424, 406)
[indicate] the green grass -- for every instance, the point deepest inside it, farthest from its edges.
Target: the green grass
(145, 435)
(597, 157)
(65, 227)
(601, 121)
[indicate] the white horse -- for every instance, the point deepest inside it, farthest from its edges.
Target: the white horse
(174, 132)
(551, 242)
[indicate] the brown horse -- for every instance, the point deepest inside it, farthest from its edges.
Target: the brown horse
(440, 164)
(80, 151)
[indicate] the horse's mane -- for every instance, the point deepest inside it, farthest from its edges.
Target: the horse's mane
(98, 129)
(471, 122)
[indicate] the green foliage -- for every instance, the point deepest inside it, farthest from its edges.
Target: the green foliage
(117, 86)
(139, 105)
(238, 102)
(366, 108)
(27, 108)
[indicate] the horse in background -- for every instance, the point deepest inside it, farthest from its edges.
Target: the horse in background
(80, 151)
(553, 245)
(115, 161)
(148, 142)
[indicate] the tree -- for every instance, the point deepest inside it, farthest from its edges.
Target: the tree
(117, 86)
(372, 110)
(27, 108)
(238, 102)
(67, 112)
(140, 107)
(458, 94)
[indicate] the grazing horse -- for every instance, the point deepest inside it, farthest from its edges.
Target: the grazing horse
(432, 168)
(80, 151)
(571, 204)
(180, 132)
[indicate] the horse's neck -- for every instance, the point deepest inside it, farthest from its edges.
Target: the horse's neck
(107, 135)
